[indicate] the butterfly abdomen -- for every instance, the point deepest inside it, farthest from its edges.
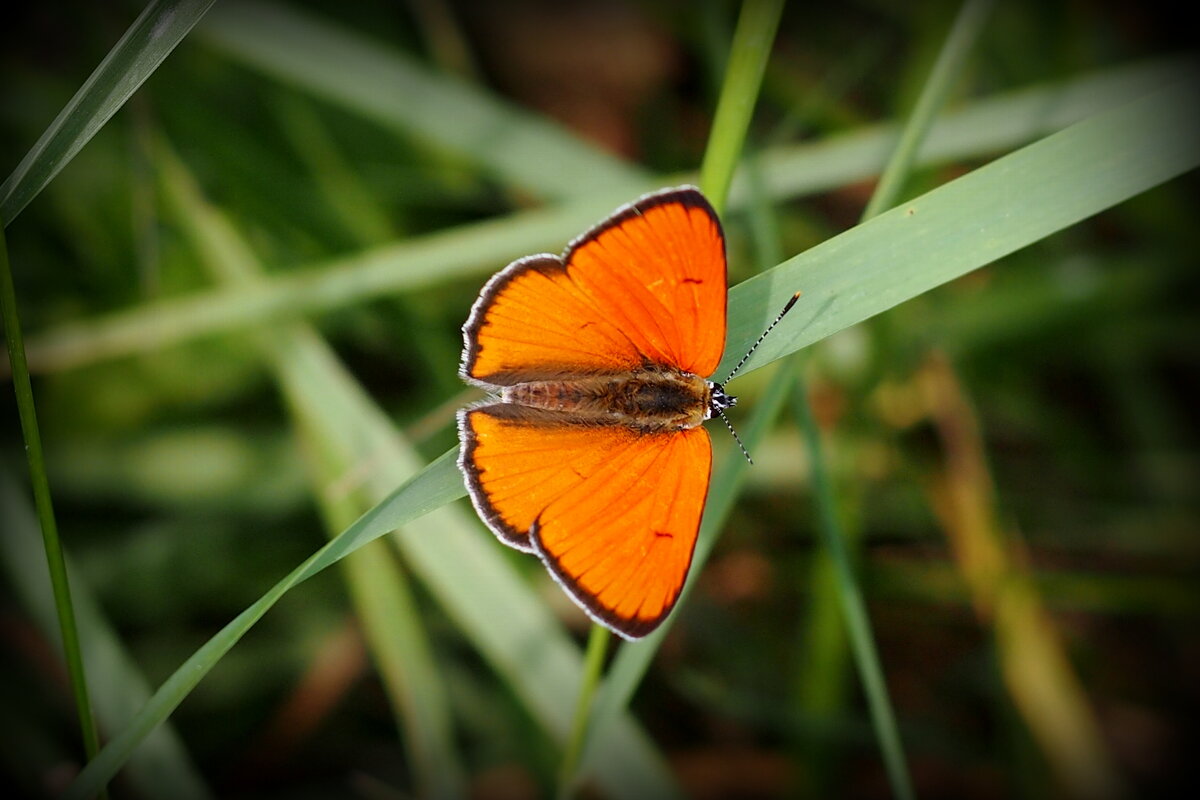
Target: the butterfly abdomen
(648, 400)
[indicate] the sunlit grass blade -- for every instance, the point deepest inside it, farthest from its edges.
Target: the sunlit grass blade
(854, 612)
(425, 492)
(948, 67)
(983, 127)
(387, 85)
(149, 40)
(160, 764)
(51, 544)
(971, 221)
(391, 623)
(748, 57)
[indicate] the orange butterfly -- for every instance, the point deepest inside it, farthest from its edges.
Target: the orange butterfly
(590, 451)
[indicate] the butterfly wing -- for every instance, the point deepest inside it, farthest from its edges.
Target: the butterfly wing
(612, 511)
(646, 285)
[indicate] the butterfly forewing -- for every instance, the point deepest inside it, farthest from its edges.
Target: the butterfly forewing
(648, 284)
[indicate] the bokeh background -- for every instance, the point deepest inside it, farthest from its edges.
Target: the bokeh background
(1015, 454)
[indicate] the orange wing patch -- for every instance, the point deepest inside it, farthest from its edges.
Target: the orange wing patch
(531, 322)
(612, 512)
(657, 269)
(646, 285)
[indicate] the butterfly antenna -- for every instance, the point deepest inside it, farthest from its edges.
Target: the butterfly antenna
(753, 347)
(736, 438)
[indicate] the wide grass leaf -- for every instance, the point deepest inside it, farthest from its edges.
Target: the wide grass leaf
(389, 86)
(149, 40)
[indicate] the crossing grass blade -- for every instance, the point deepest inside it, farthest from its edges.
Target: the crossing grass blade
(147, 42)
(385, 84)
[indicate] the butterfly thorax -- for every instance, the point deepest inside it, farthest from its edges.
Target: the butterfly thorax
(649, 399)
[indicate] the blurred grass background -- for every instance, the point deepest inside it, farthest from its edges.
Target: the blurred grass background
(1014, 453)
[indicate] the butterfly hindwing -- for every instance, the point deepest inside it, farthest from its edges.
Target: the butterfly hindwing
(613, 512)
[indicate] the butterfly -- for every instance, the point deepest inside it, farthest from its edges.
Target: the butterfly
(589, 450)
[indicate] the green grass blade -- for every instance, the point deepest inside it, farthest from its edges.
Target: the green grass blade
(55, 560)
(969, 222)
(149, 40)
(581, 725)
(386, 85)
(160, 765)
(948, 67)
(854, 611)
(950, 62)
(391, 623)
(417, 497)
(739, 90)
(393, 628)
(984, 127)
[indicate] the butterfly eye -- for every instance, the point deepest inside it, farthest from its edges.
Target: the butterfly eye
(721, 401)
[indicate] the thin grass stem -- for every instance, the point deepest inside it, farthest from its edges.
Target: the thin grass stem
(55, 560)
(953, 55)
(854, 610)
(597, 646)
(743, 77)
(948, 68)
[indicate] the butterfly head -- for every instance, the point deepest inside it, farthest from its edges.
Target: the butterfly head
(718, 400)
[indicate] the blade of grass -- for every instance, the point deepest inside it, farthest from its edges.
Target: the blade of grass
(386, 85)
(378, 588)
(161, 764)
(948, 68)
(147, 42)
(971, 221)
(748, 56)
(951, 59)
(854, 611)
(592, 667)
(55, 560)
(390, 620)
(984, 127)
(418, 496)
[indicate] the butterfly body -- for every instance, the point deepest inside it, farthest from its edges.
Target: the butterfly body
(589, 450)
(652, 399)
